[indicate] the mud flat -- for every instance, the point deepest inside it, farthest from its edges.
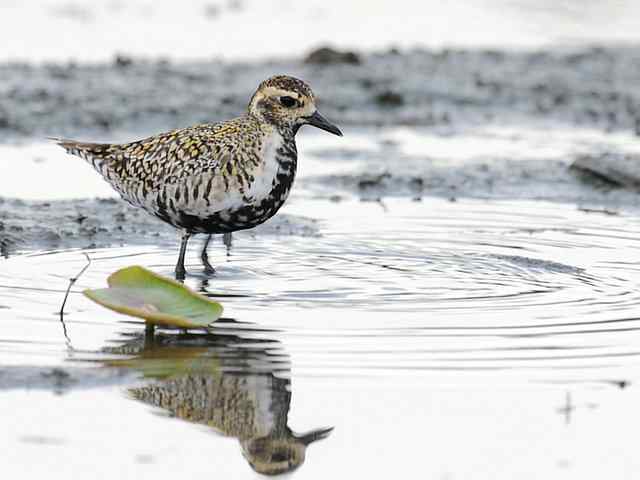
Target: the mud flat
(592, 87)
(95, 223)
(452, 123)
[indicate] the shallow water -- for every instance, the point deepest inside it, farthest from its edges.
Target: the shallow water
(460, 327)
(503, 333)
(399, 285)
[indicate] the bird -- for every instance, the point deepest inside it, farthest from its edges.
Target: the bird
(214, 178)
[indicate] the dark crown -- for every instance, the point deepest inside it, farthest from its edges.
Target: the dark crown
(285, 82)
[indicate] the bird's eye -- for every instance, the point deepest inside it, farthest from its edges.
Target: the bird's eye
(288, 102)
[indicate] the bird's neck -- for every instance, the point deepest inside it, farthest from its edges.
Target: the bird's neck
(286, 130)
(281, 148)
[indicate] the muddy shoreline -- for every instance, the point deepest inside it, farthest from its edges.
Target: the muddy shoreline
(597, 87)
(445, 94)
(96, 223)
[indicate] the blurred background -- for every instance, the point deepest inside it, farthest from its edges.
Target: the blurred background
(45, 30)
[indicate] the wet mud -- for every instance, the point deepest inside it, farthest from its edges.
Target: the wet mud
(596, 87)
(612, 168)
(441, 93)
(61, 380)
(445, 95)
(95, 223)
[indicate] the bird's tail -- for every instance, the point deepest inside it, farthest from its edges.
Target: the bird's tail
(94, 153)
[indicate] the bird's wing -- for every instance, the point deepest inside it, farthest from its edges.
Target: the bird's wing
(162, 158)
(196, 169)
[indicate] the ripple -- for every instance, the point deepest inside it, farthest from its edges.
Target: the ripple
(427, 288)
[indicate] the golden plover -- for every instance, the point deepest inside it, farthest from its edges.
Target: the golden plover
(214, 178)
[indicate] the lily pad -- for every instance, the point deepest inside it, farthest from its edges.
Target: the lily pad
(142, 293)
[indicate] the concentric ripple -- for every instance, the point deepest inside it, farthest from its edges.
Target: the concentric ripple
(407, 287)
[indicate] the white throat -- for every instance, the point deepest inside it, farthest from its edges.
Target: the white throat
(268, 171)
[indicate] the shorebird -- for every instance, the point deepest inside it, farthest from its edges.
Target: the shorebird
(214, 178)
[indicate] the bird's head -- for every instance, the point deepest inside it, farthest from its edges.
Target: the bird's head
(274, 456)
(286, 102)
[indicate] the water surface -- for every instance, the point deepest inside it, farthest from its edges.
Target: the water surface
(451, 300)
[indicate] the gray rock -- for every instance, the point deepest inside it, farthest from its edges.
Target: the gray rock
(327, 55)
(390, 99)
(614, 168)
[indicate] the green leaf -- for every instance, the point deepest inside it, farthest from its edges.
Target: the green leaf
(142, 293)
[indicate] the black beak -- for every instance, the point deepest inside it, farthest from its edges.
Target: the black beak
(315, 435)
(319, 121)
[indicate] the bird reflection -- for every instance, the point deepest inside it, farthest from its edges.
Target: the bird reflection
(237, 386)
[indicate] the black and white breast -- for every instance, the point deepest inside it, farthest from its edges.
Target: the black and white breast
(246, 190)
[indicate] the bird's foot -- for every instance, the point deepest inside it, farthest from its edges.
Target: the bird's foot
(181, 273)
(208, 268)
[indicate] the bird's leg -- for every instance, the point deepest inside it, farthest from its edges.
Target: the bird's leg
(226, 239)
(180, 270)
(149, 331)
(208, 268)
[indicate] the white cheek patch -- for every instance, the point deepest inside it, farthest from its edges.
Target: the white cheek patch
(308, 109)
